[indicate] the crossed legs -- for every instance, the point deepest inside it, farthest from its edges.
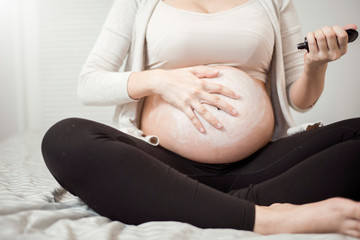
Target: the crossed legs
(126, 179)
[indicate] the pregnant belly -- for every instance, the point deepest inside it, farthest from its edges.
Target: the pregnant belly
(240, 136)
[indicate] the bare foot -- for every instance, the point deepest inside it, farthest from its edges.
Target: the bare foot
(334, 215)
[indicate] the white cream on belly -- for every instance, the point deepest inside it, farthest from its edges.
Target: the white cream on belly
(240, 136)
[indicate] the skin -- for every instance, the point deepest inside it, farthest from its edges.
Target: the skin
(334, 215)
(185, 88)
(239, 137)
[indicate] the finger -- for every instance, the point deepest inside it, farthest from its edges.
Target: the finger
(352, 233)
(200, 109)
(216, 101)
(353, 225)
(342, 37)
(195, 121)
(331, 39)
(204, 71)
(313, 48)
(353, 209)
(212, 87)
(321, 41)
(350, 26)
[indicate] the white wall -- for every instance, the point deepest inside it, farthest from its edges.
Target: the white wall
(11, 96)
(25, 62)
(43, 44)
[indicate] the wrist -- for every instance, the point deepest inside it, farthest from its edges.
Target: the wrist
(154, 80)
(315, 68)
(144, 83)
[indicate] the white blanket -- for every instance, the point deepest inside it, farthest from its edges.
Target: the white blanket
(34, 206)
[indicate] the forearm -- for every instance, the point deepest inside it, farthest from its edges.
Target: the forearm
(308, 88)
(103, 88)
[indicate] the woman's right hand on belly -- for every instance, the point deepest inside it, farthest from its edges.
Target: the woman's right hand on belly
(185, 89)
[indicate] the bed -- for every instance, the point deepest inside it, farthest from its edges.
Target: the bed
(34, 206)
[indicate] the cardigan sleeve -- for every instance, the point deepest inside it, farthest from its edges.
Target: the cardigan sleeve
(291, 35)
(100, 82)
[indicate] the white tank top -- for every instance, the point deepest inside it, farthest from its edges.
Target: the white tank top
(241, 37)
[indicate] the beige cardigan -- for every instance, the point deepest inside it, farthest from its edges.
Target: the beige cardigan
(122, 41)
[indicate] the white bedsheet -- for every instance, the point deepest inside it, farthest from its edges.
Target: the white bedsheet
(34, 206)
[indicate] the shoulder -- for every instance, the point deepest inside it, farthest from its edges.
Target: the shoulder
(132, 5)
(278, 5)
(126, 3)
(137, 4)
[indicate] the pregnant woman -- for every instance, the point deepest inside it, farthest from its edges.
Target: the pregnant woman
(201, 120)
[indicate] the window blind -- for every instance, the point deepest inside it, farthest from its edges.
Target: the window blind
(67, 32)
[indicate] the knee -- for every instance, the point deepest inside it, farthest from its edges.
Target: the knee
(60, 139)
(353, 123)
(60, 132)
(349, 128)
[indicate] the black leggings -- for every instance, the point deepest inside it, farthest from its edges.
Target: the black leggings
(126, 179)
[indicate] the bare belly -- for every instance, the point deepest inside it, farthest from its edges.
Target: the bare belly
(241, 135)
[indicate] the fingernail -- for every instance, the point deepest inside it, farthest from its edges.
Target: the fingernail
(202, 130)
(218, 125)
(234, 112)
